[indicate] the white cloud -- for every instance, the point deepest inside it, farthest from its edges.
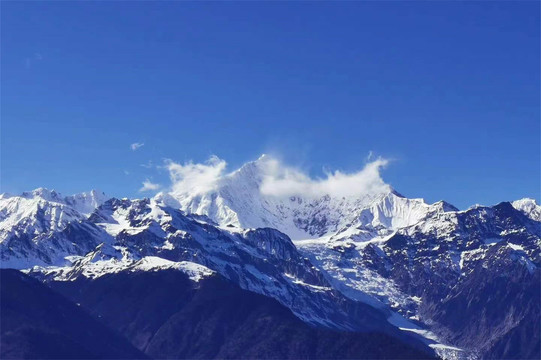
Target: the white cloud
(149, 186)
(136, 146)
(280, 180)
(196, 178)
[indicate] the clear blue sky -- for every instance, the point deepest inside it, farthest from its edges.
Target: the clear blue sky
(449, 90)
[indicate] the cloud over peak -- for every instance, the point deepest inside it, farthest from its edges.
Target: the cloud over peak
(196, 179)
(281, 180)
(278, 179)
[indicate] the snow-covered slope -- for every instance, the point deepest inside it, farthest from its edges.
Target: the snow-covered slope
(42, 227)
(45, 209)
(35, 212)
(363, 261)
(238, 199)
(94, 265)
(528, 207)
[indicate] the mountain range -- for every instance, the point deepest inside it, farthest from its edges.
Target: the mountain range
(232, 270)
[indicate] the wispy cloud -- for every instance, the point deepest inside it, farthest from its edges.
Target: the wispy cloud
(30, 60)
(149, 186)
(370, 156)
(148, 165)
(136, 146)
(279, 180)
(196, 178)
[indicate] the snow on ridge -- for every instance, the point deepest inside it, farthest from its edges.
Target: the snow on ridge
(84, 202)
(195, 272)
(35, 215)
(92, 268)
(41, 210)
(253, 196)
(528, 207)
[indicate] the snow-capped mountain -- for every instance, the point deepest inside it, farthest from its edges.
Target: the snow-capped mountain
(381, 247)
(238, 199)
(43, 227)
(127, 234)
(419, 269)
(374, 260)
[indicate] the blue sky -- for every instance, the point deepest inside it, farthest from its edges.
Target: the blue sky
(449, 91)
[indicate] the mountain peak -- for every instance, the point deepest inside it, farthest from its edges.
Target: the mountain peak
(445, 206)
(267, 193)
(526, 201)
(528, 207)
(83, 203)
(43, 193)
(86, 202)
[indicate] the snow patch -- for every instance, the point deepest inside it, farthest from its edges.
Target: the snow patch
(195, 272)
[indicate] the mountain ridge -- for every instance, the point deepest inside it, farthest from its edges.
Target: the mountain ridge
(377, 250)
